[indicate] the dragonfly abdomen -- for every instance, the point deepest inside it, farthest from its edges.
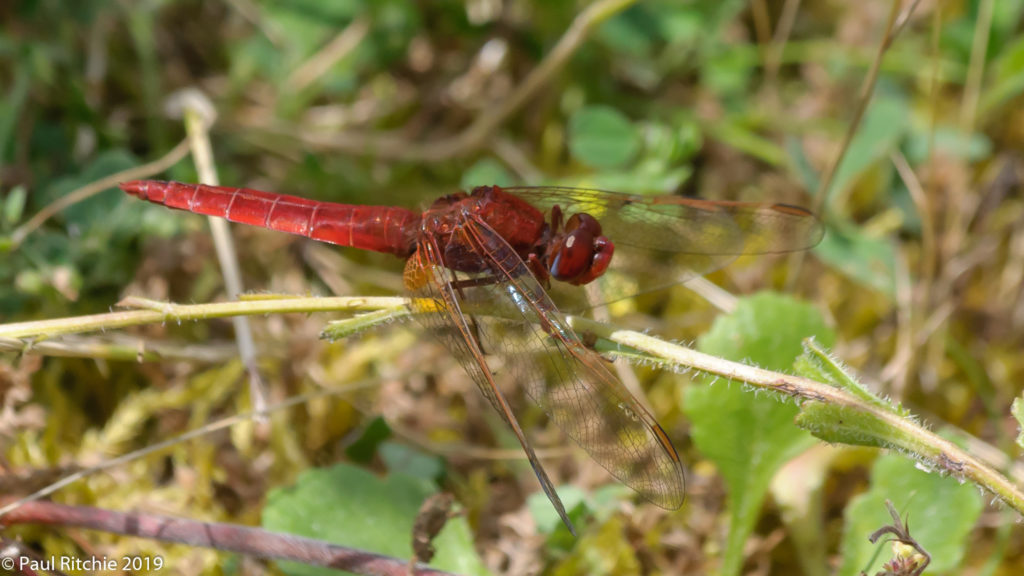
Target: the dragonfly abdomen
(378, 228)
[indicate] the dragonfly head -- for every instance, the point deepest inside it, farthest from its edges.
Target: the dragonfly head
(579, 254)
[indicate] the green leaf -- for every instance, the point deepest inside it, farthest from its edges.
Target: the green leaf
(349, 506)
(733, 133)
(817, 364)
(306, 24)
(869, 260)
(1017, 409)
(11, 106)
(680, 23)
(630, 32)
(599, 505)
(660, 169)
(95, 211)
(545, 515)
(1006, 17)
(727, 72)
(363, 449)
(486, 172)
(749, 437)
(838, 424)
(885, 122)
(601, 137)
(607, 550)
(801, 164)
(939, 510)
(14, 205)
(410, 461)
(1008, 78)
(671, 143)
(949, 141)
(645, 178)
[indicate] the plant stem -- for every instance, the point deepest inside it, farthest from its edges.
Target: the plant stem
(924, 445)
(909, 437)
(155, 312)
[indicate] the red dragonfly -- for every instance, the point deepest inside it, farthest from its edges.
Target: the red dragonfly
(479, 267)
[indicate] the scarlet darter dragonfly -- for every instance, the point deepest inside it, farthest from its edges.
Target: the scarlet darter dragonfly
(479, 266)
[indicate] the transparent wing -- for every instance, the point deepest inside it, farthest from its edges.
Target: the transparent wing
(664, 240)
(685, 225)
(503, 319)
(438, 306)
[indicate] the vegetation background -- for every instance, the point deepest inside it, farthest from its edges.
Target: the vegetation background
(918, 285)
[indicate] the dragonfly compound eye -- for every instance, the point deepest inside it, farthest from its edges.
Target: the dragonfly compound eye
(580, 254)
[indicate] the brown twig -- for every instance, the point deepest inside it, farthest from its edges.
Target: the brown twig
(227, 537)
(976, 68)
(867, 90)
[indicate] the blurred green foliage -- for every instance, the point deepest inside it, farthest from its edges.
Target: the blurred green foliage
(748, 436)
(359, 100)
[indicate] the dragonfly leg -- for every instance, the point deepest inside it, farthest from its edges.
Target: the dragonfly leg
(540, 271)
(458, 285)
(535, 265)
(556, 218)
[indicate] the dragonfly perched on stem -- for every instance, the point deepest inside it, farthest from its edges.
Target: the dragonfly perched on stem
(480, 266)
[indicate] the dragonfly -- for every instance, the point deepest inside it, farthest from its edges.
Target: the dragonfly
(482, 267)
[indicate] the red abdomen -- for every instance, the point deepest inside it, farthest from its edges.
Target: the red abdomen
(378, 228)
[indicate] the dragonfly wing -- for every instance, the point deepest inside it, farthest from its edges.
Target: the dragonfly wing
(686, 225)
(664, 240)
(513, 319)
(438, 307)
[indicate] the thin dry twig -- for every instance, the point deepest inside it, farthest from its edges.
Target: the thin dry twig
(772, 55)
(93, 188)
(335, 50)
(153, 312)
(913, 301)
(197, 127)
(136, 350)
(867, 90)
(904, 18)
(927, 282)
(976, 67)
(248, 10)
(896, 372)
(397, 147)
(514, 157)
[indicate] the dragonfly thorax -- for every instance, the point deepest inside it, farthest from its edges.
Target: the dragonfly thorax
(470, 229)
(575, 253)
